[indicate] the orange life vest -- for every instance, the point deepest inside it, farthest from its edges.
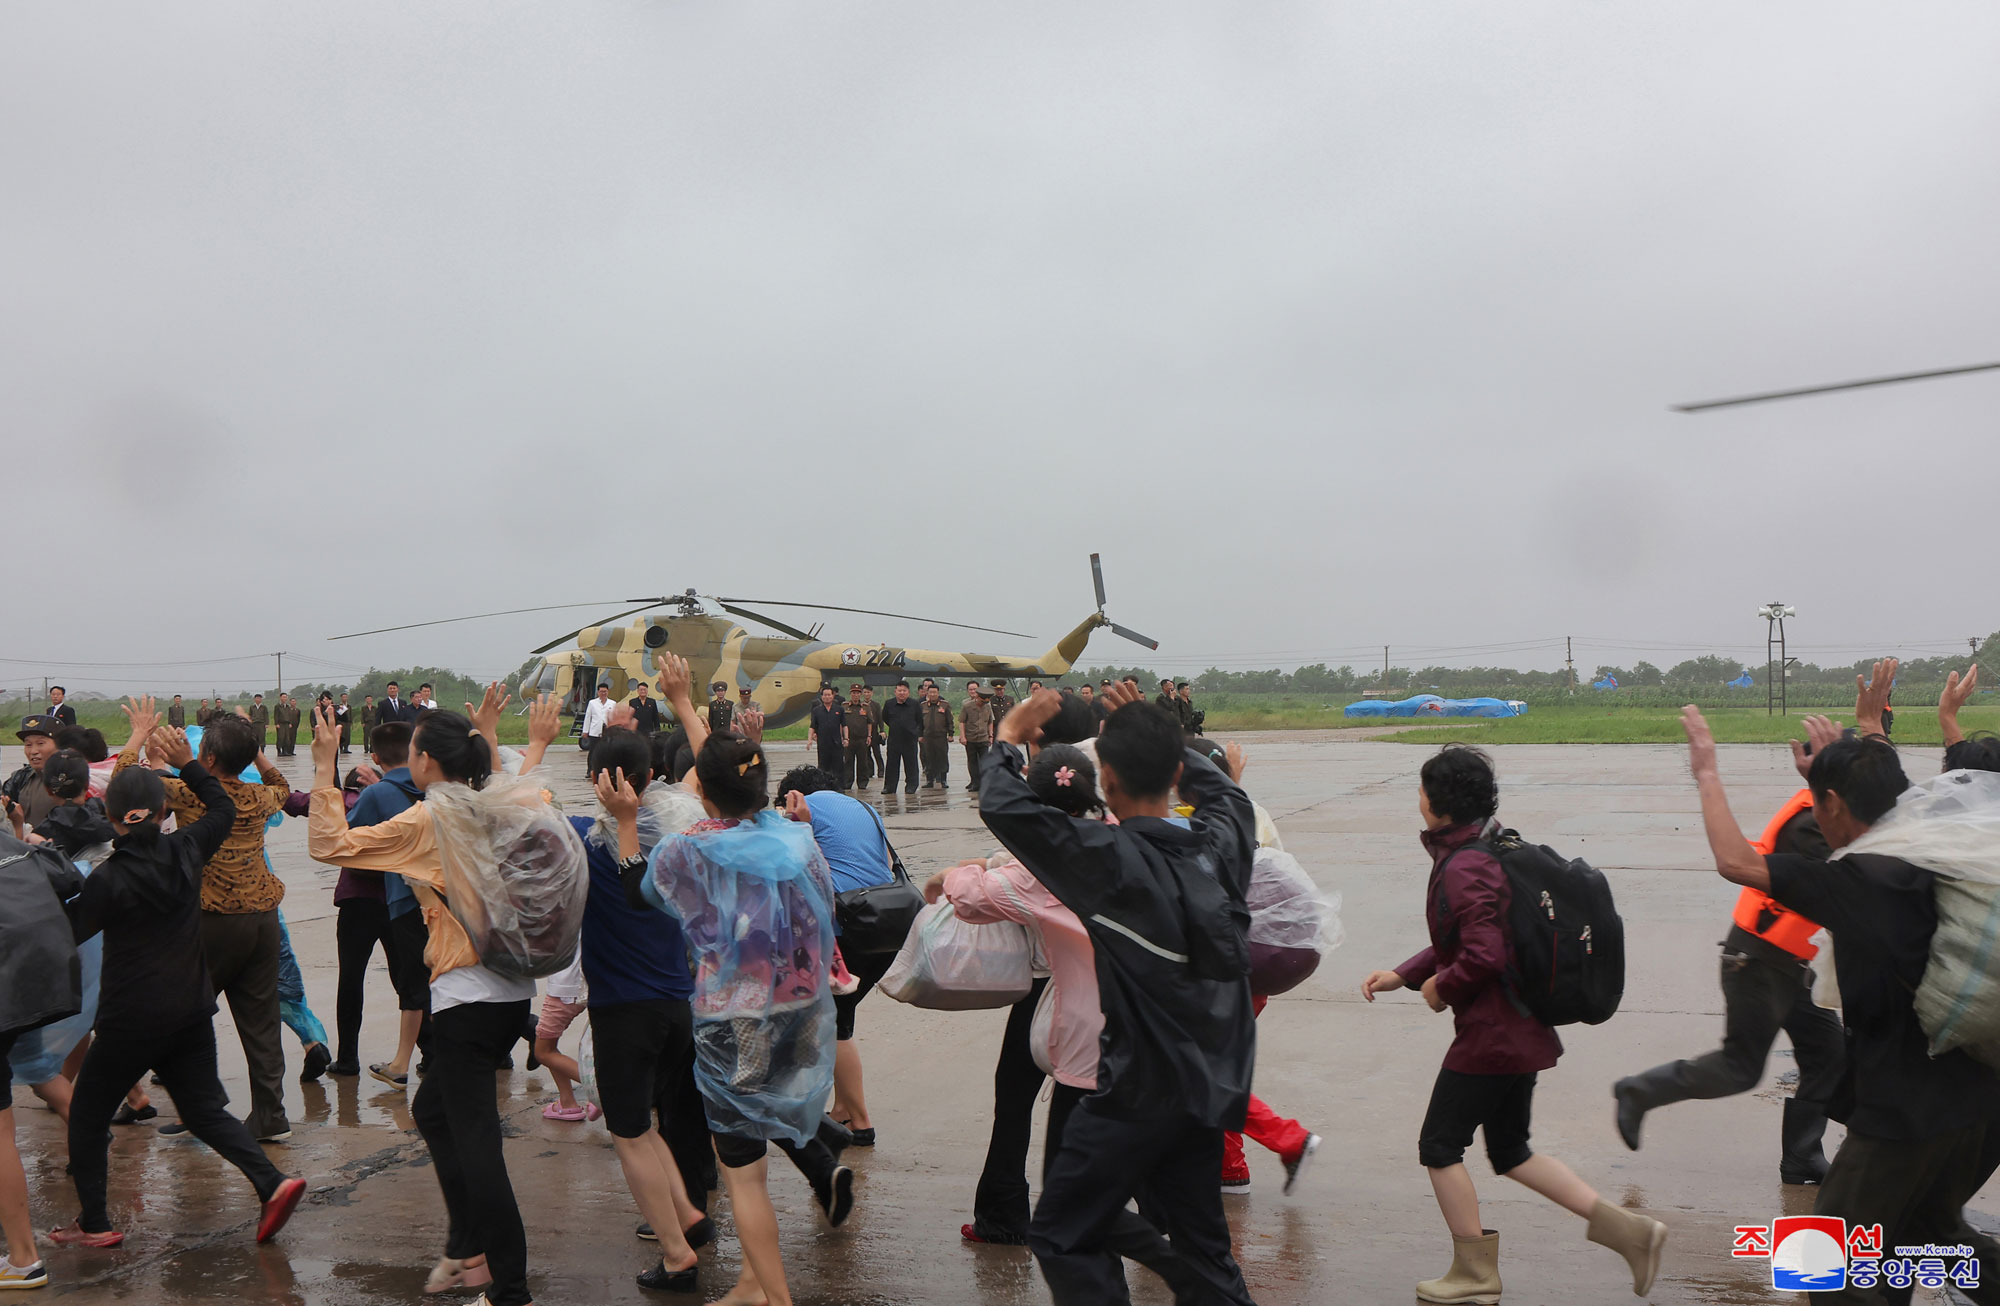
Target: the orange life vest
(1763, 915)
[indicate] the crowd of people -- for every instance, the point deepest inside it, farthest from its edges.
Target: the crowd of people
(718, 936)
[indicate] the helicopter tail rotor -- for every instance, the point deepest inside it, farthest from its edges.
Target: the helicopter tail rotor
(1097, 579)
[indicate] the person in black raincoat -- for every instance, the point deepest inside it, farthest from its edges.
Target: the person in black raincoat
(1164, 905)
(41, 982)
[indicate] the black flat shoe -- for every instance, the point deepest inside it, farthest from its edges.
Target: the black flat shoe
(317, 1060)
(838, 1201)
(862, 1137)
(662, 1279)
(346, 1069)
(125, 1115)
(701, 1233)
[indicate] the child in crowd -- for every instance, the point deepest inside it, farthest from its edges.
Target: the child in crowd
(754, 900)
(1488, 1078)
(156, 1007)
(566, 997)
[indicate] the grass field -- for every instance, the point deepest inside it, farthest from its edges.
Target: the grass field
(1592, 724)
(1586, 722)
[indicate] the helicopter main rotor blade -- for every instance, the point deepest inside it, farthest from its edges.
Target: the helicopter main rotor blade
(477, 616)
(1841, 385)
(560, 639)
(1134, 636)
(872, 612)
(1097, 578)
(772, 622)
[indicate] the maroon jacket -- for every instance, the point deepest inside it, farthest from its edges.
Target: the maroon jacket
(1469, 954)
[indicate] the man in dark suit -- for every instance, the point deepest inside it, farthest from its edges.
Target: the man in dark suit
(394, 708)
(59, 709)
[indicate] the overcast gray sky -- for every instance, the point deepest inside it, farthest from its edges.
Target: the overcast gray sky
(1329, 325)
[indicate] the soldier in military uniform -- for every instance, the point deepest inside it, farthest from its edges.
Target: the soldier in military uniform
(975, 731)
(260, 716)
(1000, 701)
(177, 714)
(203, 713)
(286, 719)
(721, 712)
(875, 729)
(859, 722)
(1164, 700)
(936, 741)
(827, 734)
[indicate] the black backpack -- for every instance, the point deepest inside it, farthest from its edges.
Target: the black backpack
(1569, 941)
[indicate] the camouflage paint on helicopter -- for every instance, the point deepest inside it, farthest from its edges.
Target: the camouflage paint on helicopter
(784, 673)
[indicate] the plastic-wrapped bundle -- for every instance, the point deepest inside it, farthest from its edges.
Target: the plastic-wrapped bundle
(949, 965)
(665, 810)
(1950, 825)
(1292, 924)
(755, 904)
(515, 873)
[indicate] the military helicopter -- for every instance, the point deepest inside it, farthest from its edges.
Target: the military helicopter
(785, 672)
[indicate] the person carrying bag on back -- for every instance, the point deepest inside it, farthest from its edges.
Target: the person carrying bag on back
(482, 978)
(1488, 1078)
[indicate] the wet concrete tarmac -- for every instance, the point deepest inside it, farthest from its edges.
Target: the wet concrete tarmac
(1362, 1227)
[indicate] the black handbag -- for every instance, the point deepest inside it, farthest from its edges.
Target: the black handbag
(877, 919)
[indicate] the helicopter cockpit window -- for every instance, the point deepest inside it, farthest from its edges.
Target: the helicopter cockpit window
(545, 683)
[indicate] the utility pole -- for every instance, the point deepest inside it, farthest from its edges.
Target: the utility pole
(1569, 660)
(281, 671)
(1385, 666)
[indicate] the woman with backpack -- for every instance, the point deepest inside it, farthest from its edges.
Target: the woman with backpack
(477, 1013)
(1488, 1078)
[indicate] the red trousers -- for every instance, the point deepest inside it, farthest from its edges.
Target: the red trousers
(1264, 1125)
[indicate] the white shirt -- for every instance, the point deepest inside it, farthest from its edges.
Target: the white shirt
(470, 984)
(595, 716)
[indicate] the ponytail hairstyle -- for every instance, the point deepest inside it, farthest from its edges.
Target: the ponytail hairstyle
(136, 799)
(1064, 778)
(734, 775)
(449, 740)
(66, 775)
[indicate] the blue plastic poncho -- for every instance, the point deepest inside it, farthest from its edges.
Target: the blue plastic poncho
(755, 903)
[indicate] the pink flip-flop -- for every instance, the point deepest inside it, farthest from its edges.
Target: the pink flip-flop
(557, 1111)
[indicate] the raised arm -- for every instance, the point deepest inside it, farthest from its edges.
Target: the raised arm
(677, 687)
(1226, 813)
(1735, 860)
(1957, 689)
(544, 724)
(219, 810)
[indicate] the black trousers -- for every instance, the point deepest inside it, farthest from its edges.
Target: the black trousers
(902, 761)
(242, 956)
(1000, 1204)
(185, 1062)
(937, 759)
(359, 925)
(859, 765)
(1081, 1227)
(1917, 1191)
(973, 754)
(1759, 998)
(833, 761)
(288, 739)
(458, 1114)
(345, 731)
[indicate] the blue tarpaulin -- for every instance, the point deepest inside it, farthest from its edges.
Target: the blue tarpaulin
(1609, 682)
(1432, 705)
(1742, 682)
